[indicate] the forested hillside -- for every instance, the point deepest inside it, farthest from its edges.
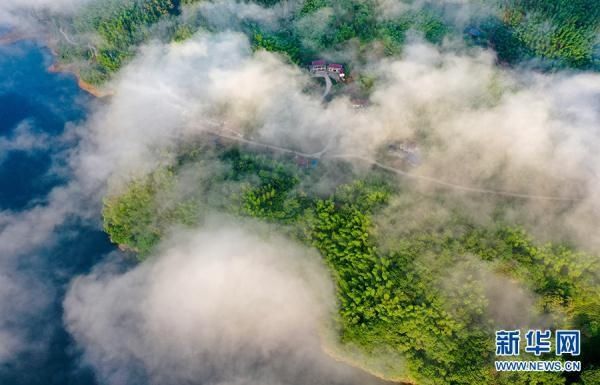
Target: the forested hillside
(557, 34)
(391, 299)
(563, 31)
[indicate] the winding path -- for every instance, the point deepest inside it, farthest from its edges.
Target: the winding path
(67, 38)
(322, 155)
(328, 84)
(75, 44)
(454, 185)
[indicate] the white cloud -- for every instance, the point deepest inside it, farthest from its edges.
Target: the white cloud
(215, 306)
(477, 125)
(23, 138)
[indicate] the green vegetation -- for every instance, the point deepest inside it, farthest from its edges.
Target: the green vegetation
(405, 298)
(249, 185)
(564, 32)
(126, 28)
(121, 27)
(349, 21)
(395, 299)
(591, 377)
(137, 219)
(283, 42)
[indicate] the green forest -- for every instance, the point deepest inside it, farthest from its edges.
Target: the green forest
(389, 298)
(550, 35)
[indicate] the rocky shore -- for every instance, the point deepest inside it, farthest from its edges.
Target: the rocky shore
(15, 36)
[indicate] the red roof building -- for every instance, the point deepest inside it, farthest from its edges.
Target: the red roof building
(318, 65)
(338, 68)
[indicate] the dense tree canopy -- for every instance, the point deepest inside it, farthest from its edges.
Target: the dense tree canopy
(402, 300)
(561, 33)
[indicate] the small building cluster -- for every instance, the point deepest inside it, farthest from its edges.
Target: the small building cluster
(474, 32)
(476, 36)
(332, 69)
(406, 150)
(318, 66)
(303, 162)
(359, 103)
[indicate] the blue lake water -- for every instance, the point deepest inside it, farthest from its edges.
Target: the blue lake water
(46, 103)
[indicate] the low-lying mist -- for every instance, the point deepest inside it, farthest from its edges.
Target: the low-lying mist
(217, 305)
(226, 304)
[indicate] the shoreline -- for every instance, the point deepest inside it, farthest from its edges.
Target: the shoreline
(12, 37)
(332, 348)
(16, 36)
(340, 357)
(82, 84)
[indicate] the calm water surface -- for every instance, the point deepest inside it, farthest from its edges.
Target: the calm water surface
(44, 105)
